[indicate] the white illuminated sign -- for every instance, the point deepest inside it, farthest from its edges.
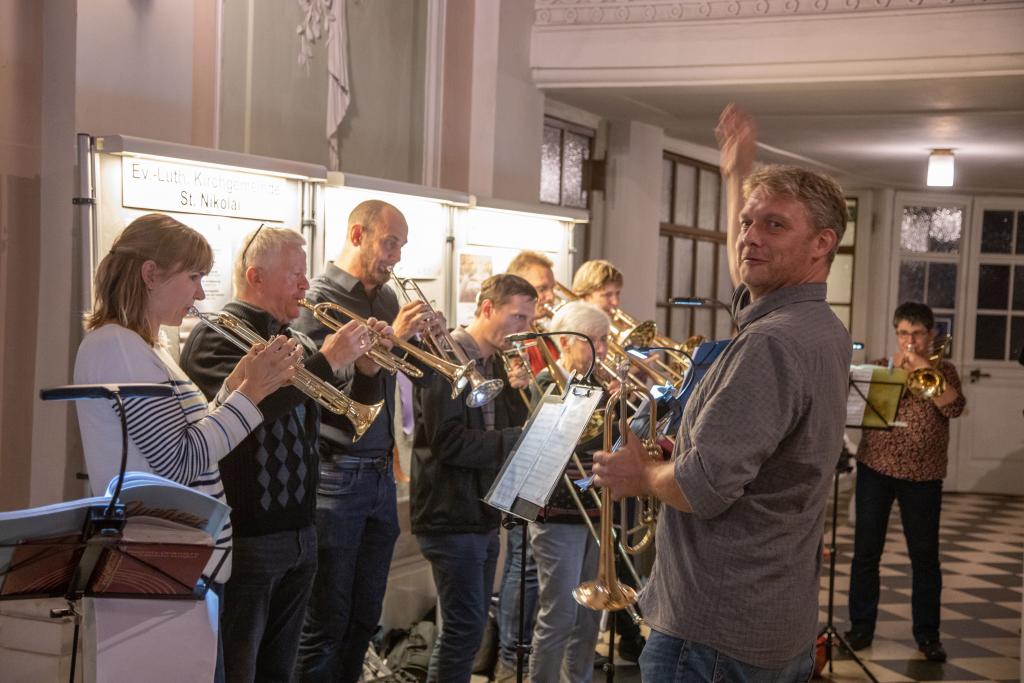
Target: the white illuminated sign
(167, 186)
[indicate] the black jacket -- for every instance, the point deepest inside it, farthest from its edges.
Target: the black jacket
(270, 478)
(455, 460)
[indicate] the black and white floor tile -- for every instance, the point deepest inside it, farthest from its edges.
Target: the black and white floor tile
(982, 539)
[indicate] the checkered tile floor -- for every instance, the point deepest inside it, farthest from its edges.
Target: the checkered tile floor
(981, 554)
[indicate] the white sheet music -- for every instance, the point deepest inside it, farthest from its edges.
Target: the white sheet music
(537, 461)
(526, 455)
(855, 402)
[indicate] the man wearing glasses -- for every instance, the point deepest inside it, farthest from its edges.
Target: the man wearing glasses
(906, 464)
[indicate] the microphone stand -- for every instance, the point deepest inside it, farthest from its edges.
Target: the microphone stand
(103, 524)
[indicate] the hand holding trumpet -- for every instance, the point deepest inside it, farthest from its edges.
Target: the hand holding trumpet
(265, 368)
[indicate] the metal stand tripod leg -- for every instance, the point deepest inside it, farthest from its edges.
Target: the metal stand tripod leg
(830, 632)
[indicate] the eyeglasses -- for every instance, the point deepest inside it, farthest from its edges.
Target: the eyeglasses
(249, 243)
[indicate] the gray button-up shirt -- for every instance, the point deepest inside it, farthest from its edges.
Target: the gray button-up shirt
(756, 450)
(336, 433)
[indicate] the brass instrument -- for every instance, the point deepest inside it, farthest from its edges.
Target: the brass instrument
(606, 592)
(441, 345)
(647, 507)
(927, 383)
(627, 331)
(384, 358)
(330, 397)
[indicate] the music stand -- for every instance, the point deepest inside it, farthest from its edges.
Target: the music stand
(876, 410)
(533, 470)
(103, 524)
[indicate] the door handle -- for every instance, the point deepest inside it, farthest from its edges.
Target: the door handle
(977, 374)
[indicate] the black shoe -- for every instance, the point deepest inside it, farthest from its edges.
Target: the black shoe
(630, 648)
(933, 650)
(858, 640)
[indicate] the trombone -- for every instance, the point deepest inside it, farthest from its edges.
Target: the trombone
(606, 592)
(380, 355)
(927, 383)
(236, 331)
(441, 345)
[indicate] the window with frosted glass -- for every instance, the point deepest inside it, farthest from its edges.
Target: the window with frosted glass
(930, 244)
(565, 148)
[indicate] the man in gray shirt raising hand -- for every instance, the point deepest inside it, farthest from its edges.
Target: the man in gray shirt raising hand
(733, 594)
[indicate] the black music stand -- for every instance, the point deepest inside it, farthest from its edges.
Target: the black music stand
(875, 417)
(103, 526)
(528, 478)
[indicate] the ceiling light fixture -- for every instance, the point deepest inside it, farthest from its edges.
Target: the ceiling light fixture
(940, 168)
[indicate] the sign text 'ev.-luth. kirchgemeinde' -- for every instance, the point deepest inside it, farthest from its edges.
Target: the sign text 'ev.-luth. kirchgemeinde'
(168, 186)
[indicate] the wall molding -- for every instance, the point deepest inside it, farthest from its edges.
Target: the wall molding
(611, 12)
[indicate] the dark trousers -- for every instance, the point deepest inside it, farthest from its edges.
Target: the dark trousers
(920, 505)
(264, 603)
(357, 525)
(463, 566)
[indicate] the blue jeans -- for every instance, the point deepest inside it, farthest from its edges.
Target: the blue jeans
(566, 634)
(666, 659)
(264, 603)
(508, 601)
(463, 566)
(357, 524)
(920, 505)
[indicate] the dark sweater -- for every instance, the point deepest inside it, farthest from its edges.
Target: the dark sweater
(455, 458)
(270, 478)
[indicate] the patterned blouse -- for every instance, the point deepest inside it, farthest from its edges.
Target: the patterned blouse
(917, 452)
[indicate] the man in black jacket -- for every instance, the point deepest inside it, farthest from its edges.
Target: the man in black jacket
(458, 452)
(270, 478)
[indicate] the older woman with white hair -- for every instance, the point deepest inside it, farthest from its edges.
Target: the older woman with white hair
(566, 633)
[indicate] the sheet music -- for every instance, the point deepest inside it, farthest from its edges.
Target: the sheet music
(855, 403)
(562, 439)
(536, 463)
(526, 455)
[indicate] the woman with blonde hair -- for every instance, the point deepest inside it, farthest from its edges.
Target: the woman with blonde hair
(151, 277)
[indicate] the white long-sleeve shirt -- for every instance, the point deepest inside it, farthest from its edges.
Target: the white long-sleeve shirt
(181, 437)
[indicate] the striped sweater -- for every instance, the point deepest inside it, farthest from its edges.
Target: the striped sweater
(180, 437)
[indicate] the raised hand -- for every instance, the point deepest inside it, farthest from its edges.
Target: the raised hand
(737, 139)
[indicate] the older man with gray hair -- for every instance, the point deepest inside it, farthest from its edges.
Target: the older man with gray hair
(270, 477)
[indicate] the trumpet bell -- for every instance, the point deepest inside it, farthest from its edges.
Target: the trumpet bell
(642, 334)
(362, 417)
(598, 595)
(483, 391)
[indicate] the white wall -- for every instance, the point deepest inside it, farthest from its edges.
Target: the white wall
(273, 106)
(632, 211)
(108, 67)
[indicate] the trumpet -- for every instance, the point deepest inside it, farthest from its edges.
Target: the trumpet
(236, 331)
(379, 354)
(443, 346)
(927, 383)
